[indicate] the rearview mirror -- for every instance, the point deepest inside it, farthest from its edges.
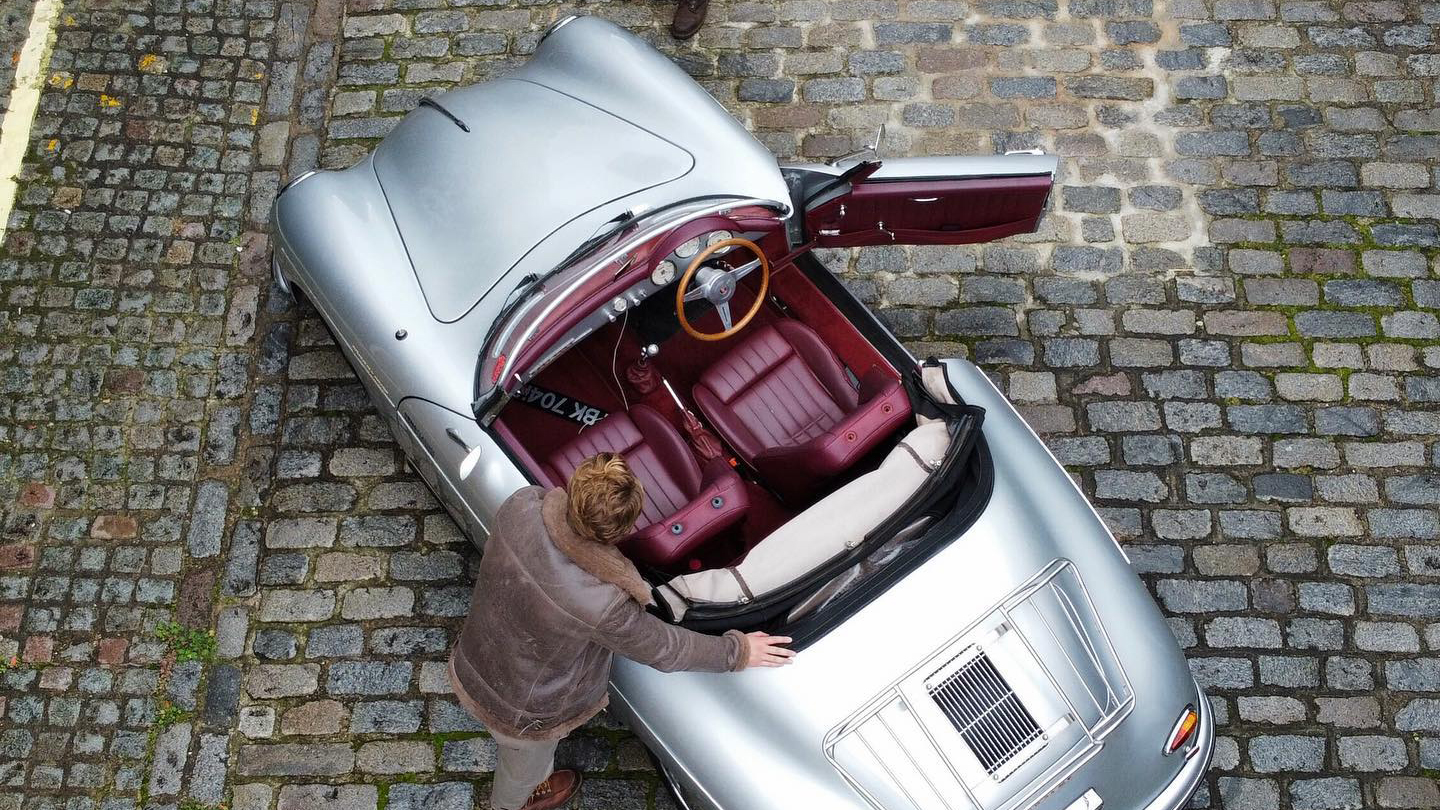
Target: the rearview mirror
(467, 465)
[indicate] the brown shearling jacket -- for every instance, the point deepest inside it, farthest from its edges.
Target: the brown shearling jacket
(548, 611)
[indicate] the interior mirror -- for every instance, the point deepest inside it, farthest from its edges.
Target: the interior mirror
(467, 465)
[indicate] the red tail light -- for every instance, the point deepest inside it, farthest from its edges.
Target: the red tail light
(498, 370)
(1183, 731)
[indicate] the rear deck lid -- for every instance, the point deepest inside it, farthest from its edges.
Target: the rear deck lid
(471, 205)
(998, 717)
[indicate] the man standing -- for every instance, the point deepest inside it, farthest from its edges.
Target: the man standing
(689, 14)
(554, 600)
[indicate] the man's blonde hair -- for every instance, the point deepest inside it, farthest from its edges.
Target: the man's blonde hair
(605, 499)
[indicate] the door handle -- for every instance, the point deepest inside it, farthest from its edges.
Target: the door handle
(455, 437)
(884, 230)
(472, 454)
(925, 199)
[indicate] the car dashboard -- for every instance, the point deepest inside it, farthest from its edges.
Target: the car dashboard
(642, 295)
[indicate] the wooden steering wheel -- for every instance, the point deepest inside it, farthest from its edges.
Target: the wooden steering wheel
(718, 286)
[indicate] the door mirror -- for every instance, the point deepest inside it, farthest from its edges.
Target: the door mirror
(467, 465)
(872, 149)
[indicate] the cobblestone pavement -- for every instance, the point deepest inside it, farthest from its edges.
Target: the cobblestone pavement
(14, 25)
(1227, 328)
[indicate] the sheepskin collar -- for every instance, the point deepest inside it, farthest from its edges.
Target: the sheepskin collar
(603, 562)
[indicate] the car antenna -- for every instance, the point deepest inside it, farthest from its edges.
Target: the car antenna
(432, 103)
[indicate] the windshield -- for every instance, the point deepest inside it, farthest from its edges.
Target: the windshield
(534, 302)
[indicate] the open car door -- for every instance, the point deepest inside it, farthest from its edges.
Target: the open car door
(933, 201)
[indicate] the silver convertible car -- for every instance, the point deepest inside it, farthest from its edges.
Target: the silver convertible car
(591, 254)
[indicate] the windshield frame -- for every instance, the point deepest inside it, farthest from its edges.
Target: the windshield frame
(518, 323)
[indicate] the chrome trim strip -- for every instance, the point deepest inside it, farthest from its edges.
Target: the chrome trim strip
(292, 181)
(280, 280)
(641, 729)
(614, 255)
(557, 25)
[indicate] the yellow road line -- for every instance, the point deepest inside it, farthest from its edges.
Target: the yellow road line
(24, 99)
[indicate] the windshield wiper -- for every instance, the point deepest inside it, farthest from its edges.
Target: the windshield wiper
(606, 232)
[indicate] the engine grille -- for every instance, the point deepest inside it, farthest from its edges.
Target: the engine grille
(983, 708)
(999, 715)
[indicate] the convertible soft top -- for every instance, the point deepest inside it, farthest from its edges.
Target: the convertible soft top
(596, 124)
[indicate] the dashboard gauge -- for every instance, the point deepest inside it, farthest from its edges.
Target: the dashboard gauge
(663, 274)
(719, 236)
(688, 249)
(619, 304)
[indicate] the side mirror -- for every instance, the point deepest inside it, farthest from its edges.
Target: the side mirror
(467, 465)
(872, 149)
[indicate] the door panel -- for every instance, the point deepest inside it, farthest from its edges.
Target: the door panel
(438, 440)
(945, 211)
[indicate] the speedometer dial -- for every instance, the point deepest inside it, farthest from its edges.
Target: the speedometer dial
(716, 237)
(663, 274)
(688, 249)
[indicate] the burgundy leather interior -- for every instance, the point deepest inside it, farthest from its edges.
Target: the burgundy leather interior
(685, 504)
(784, 402)
(930, 212)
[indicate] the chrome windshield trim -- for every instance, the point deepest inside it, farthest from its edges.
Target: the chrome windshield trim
(503, 338)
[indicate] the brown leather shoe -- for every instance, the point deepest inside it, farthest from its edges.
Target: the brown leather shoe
(689, 14)
(554, 792)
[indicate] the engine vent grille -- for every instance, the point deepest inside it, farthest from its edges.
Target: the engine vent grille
(984, 710)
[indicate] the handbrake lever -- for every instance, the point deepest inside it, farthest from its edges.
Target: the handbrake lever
(702, 441)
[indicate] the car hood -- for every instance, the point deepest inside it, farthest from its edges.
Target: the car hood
(511, 175)
(1036, 519)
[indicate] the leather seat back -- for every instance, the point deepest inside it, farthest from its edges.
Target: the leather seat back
(685, 505)
(784, 401)
(781, 387)
(656, 453)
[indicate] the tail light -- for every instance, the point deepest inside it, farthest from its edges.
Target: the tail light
(1183, 731)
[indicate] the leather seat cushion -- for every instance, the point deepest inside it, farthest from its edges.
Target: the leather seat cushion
(781, 387)
(655, 451)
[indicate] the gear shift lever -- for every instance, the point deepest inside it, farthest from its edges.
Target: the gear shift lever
(641, 374)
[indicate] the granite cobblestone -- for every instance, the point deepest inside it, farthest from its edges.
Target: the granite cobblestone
(1222, 327)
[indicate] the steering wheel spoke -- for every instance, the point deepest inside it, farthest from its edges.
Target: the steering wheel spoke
(744, 269)
(724, 311)
(695, 294)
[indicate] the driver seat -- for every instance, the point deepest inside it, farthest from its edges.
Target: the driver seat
(685, 504)
(783, 400)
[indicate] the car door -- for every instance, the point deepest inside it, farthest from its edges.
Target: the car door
(437, 440)
(934, 201)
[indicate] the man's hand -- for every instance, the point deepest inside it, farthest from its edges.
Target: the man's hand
(765, 650)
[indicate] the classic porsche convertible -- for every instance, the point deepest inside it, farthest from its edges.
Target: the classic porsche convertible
(591, 254)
